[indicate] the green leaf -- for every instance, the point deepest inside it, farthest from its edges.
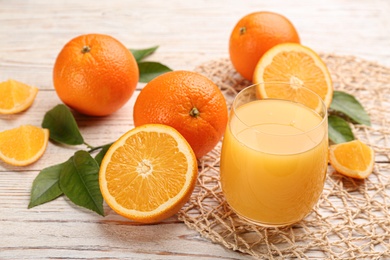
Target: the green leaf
(148, 70)
(140, 54)
(46, 186)
(100, 155)
(350, 106)
(79, 180)
(62, 125)
(339, 130)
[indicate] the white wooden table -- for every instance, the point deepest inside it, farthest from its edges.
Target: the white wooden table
(188, 33)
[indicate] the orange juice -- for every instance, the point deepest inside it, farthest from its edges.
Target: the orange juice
(274, 161)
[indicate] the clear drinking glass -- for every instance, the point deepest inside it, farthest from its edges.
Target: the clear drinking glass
(274, 155)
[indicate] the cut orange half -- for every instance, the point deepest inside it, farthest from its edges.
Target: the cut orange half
(23, 145)
(15, 96)
(295, 64)
(148, 174)
(354, 159)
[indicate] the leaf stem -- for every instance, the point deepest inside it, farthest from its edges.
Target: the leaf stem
(92, 149)
(88, 145)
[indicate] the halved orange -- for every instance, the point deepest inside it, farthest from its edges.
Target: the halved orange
(295, 64)
(23, 145)
(354, 159)
(149, 173)
(16, 96)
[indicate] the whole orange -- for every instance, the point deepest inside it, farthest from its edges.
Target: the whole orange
(256, 33)
(95, 74)
(187, 101)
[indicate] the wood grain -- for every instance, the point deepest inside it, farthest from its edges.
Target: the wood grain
(188, 33)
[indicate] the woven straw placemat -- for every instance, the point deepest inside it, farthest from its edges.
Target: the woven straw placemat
(351, 219)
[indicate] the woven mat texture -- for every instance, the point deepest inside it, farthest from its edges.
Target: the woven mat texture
(351, 219)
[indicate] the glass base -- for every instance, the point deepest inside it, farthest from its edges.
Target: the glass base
(264, 224)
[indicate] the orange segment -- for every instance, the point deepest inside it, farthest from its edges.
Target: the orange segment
(296, 64)
(23, 145)
(149, 173)
(16, 96)
(354, 159)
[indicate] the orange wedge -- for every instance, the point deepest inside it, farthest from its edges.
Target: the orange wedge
(295, 64)
(23, 145)
(354, 159)
(148, 174)
(15, 96)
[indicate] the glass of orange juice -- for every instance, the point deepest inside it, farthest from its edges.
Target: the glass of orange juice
(274, 155)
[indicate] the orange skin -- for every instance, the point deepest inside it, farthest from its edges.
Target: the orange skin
(95, 74)
(255, 34)
(188, 102)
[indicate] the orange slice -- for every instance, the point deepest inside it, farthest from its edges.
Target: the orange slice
(23, 145)
(148, 174)
(354, 159)
(295, 64)
(15, 96)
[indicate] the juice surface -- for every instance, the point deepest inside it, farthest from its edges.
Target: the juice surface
(274, 171)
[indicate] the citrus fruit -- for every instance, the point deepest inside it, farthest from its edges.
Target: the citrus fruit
(256, 33)
(16, 96)
(189, 102)
(148, 174)
(296, 64)
(354, 159)
(95, 74)
(23, 145)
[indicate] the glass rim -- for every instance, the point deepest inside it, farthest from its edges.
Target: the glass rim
(323, 107)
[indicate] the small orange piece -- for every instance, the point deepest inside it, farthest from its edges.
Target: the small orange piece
(16, 96)
(354, 159)
(296, 64)
(148, 174)
(23, 145)
(189, 102)
(255, 34)
(95, 74)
